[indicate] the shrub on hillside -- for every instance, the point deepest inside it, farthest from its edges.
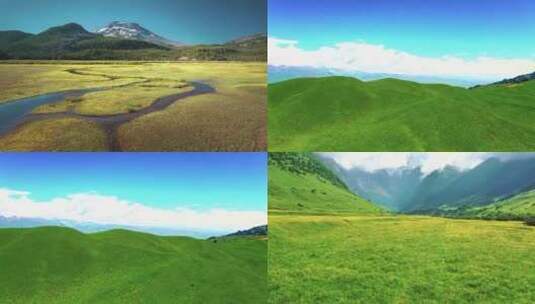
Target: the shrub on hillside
(530, 221)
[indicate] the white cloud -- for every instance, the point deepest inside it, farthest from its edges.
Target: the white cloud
(428, 162)
(364, 57)
(110, 210)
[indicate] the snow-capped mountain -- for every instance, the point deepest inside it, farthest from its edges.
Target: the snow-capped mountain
(131, 30)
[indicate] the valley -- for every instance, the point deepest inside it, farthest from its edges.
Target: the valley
(328, 244)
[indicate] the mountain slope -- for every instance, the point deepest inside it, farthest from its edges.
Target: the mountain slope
(61, 265)
(346, 114)
(9, 37)
(255, 231)
(134, 31)
(517, 207)
(514, 80)
(410, 190)
(300, 183)
(490, 181)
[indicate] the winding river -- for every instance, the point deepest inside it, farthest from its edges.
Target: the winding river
(16, 113)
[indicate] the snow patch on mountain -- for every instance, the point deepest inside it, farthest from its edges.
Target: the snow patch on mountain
(132, 30)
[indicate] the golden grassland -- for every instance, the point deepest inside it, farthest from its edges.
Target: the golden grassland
(120, 100)
(61, 134)
(25, 79)
(233, 118)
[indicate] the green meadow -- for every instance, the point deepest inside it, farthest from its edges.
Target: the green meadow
(346, 114)
(328, 245)
(61, 265)
(399, 259)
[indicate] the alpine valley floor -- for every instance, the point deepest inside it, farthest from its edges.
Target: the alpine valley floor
(322, 251)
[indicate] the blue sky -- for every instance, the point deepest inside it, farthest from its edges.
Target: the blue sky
(460, 28)
(198, 21)
(200, 181)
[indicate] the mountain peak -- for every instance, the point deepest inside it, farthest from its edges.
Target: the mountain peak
(134, 31)
(69, 28)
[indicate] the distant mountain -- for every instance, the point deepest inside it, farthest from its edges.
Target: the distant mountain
(122, 41)
(87, 227)
(250, 40)
(515, 80)
(281, 73)
(492, 180)
(410, 190)
(389, 188)
(255, 231)
(9, 37)
(69, 41)
(134, 31)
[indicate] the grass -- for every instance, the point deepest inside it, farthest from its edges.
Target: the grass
(327, 245)
(26, 79)
(117, 101)
(389, 259)
(345, 114)
(61, 134)
(520, 206)
(60, 265)
(290, 192)
(231, 119)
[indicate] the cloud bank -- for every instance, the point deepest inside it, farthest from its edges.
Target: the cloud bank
(428, 162)
(364, 57)
(110, 210)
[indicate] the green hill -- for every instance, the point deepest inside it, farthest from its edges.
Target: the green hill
(346, 114)
(519, 207)
(61, 265)
(300, 183)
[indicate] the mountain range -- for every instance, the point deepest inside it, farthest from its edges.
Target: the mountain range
(411, 190)
(88, 227)
(122, 41)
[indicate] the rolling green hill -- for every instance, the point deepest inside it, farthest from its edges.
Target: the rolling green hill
(346, 114)
(300, 183)
(61, 265)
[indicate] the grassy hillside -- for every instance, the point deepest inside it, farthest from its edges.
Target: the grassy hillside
(329, 246)
(346, 114)
(300, 183)
(366, 259)
(519, 207)
(60, 265)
